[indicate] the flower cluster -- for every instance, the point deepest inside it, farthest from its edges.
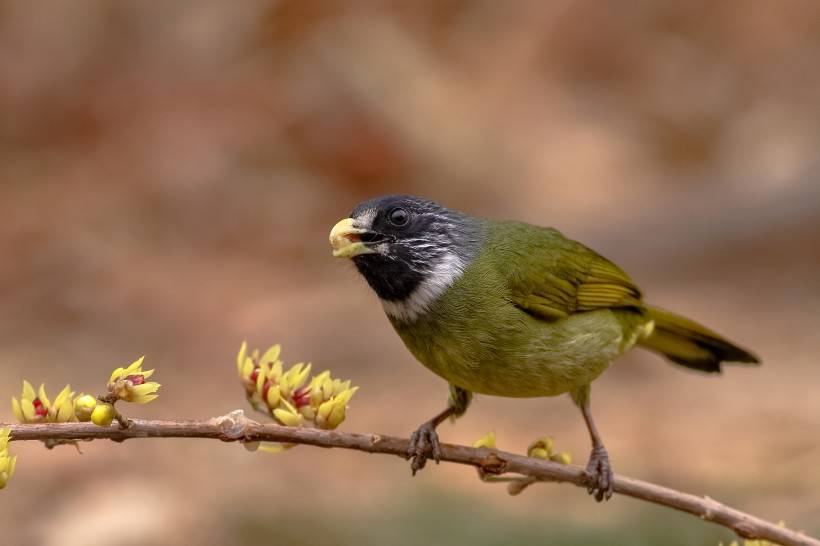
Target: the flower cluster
(131, 384)
(542, 448)
(127, 384)
(34, 407)
(7, 462)
(287, 395)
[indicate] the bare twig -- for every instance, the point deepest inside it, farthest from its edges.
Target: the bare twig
(236, 427)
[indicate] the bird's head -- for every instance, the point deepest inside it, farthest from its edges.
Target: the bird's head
(410, 250)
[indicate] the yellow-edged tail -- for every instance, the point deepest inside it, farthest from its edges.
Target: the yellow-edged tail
(690, 344)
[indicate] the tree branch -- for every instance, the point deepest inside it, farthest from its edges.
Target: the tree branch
(236, 427)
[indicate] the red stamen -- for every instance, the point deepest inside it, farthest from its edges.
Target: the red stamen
(39, 408)
(255, 375)
(301, 397)
(136, 379)
(266, 387)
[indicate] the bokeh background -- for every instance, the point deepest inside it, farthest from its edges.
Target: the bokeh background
(169, 172)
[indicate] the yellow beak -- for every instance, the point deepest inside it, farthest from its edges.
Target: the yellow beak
(345, 240)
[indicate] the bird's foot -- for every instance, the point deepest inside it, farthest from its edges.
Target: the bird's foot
(600, 471)
(424, 444)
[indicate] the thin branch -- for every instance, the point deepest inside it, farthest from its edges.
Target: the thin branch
(237, 427)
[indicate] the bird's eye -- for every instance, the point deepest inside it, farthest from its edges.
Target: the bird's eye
(399, 217)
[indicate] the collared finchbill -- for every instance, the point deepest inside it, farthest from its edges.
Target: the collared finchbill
(345, 238)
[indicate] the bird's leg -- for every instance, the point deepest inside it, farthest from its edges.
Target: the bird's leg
(424, 441)
(598, 466)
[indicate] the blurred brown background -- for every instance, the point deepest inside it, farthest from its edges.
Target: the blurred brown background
(169, 172)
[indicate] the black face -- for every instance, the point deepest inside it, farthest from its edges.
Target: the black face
(411, 236)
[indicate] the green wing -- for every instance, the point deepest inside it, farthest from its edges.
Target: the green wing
(557, 277)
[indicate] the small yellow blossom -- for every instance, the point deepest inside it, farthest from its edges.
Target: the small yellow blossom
(7, 463)
(130, 384)
(35, 407)
(488, 440)
(83, 407)
(103, 415)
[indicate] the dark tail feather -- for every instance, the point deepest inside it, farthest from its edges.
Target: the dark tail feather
(689, 344)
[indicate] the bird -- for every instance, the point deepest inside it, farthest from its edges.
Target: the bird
(507, 308)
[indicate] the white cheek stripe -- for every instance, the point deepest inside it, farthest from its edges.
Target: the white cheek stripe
(447, 270)
(365, 220)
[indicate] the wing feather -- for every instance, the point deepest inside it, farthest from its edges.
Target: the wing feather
(561, 277)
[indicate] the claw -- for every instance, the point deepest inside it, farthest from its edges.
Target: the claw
(600, 471)
(424, 443)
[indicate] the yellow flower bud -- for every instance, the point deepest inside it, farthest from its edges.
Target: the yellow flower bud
(83, 407)
(488, 440)
(539, 453)
(563, 458)
(103, 415)
(541, 448)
